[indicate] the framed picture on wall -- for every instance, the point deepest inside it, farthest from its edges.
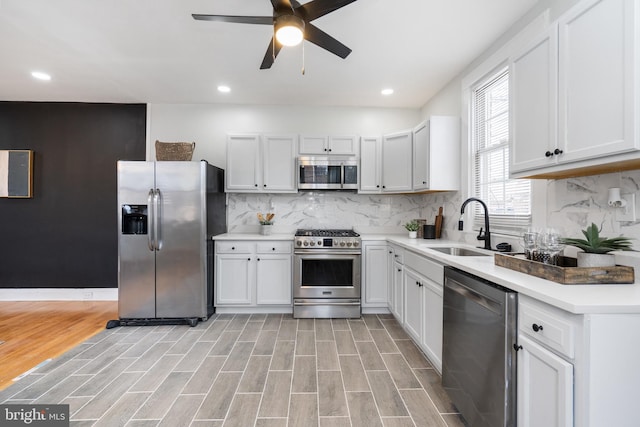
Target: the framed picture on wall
(16, 173)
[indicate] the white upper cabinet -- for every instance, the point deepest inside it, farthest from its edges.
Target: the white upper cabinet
(370, 165)
(328, 145)
(574, 93)
(397, 152)
(261, 163)
(436, 154)
(533, 92)
(597, 79)
(279, 163)
(243, 171)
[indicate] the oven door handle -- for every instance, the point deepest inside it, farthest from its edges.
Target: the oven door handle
(325, 252)
(326, 303)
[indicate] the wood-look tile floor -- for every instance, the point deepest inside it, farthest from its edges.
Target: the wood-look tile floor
(245, 370)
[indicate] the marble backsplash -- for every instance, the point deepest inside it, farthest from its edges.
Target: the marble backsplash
(572, 204)
(328, 209)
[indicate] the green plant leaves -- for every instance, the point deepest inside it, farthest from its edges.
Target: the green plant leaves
(595, 244)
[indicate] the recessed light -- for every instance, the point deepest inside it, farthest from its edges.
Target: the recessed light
(40, 75)
(224, 89)
(388, 91)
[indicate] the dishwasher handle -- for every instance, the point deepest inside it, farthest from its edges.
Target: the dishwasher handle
(473, 295)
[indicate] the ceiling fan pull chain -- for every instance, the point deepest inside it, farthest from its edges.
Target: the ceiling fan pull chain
(303, 57)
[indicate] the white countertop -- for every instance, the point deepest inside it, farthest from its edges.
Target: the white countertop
(253, 236)
(578, 299)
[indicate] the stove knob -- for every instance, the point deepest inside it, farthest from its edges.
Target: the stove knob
(319, 242)
(342, 243)
(299, 243)
(306, 243)
(313, 243)
(349, 244)
(356, 244)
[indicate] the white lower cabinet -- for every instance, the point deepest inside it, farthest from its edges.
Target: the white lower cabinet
(374, 275)
(253, 273)
(545, 387)
(423, 291)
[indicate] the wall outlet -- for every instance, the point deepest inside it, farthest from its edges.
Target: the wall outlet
(627, 213)
(87, 295)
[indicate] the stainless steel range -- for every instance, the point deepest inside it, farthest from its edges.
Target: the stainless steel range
(326, 274)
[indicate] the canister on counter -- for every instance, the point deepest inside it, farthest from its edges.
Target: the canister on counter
(429, 231)
(421, 223)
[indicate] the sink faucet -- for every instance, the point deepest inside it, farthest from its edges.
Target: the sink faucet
(486, 236)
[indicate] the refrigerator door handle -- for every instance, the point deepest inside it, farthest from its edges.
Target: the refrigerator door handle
(157, 223)
(150, 234)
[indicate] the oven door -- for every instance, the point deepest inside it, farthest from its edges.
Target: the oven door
(326, 274)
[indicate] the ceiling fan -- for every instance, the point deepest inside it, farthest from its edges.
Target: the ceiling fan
(292, 23)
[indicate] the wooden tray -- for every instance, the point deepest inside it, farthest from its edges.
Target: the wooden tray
(567, 273)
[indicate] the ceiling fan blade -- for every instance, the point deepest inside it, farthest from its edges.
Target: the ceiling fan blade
(270, 54)
(262, 20)
(280, 4)
(318, 37)
(317, 8)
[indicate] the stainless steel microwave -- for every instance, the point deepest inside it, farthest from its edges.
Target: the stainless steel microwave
(327, 173)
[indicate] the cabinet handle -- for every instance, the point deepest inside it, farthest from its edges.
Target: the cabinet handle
(517, 347)
(384, 186)
(390, 252)
(255, 185)
(273, 249)
(264, 185)
(548, 154)
(248, 259)
(424, 182)
(399, 269)
(258, 259)
(557, 151)
(329, 149)
(396, 255)
(233, 248)
(536, 327)
(377, 186)
(325, 149)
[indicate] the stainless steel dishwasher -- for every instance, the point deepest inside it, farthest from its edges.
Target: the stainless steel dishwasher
(478, 357)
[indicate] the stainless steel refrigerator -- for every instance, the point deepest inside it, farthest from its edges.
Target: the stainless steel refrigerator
(167, 213)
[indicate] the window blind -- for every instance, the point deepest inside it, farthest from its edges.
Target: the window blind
(508, 200)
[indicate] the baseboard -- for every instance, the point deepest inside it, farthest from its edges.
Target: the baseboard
(56, 294)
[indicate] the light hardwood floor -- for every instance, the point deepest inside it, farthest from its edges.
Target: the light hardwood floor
(34, 331)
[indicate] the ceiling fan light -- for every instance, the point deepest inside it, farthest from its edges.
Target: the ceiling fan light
(289, 30)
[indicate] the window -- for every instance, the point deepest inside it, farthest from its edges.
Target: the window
(508, 200)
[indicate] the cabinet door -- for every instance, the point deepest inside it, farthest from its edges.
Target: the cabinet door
(375, 275)
(279, 163)
(234, 279)
(370, 164)
(545, 387)
(432, 328)
(413, 306)
(396, 162)
(533, 88)
(598, 79)
(421, 157)
(344, 145)
(273, 279)
(397, 285)
(243, 163)
(310, 144)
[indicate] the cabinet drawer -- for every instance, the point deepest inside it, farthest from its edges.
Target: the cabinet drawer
(547, 326)
(429, 269)
(233, 247)
(274, 247)
(398, 254)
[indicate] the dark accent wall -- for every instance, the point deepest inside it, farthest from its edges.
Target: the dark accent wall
(66, 235)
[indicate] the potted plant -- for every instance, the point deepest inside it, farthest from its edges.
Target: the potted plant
(266, 221)
(412, 226)
(596, 249)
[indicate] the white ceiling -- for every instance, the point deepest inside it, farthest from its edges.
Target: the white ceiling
(152, 51)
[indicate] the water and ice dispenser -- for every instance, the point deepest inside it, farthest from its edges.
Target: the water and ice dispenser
(134, 219)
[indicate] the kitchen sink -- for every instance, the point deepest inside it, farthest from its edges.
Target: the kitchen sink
(458, 251)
